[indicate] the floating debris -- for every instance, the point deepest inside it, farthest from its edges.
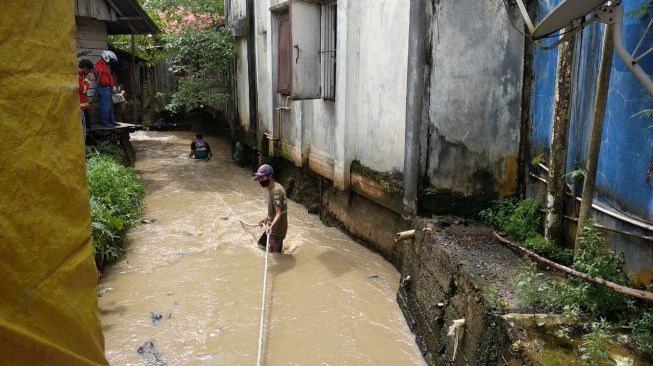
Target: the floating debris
(151, 355)
(148, 221)
(373, 276)
(156, 318)
(104, 291)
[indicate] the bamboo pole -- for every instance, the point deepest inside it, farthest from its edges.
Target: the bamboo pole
(594, 148)
(554, 225)
(628, 291)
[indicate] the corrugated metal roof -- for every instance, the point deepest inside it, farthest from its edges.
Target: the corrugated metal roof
(132, 19)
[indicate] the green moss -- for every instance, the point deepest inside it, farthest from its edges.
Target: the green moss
(391, 182)
(439, 201)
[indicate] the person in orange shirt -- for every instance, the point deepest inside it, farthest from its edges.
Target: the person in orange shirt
(84, 68)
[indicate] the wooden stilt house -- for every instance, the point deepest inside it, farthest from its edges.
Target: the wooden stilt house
(96, 20)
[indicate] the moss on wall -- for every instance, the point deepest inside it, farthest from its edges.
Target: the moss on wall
(440, 201)
(391, 182)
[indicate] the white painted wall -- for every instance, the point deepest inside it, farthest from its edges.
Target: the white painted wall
(383, 60)
(366, 121)
(242, 83)
(263, 80)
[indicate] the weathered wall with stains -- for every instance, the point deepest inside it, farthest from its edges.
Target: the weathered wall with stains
(473, 98)
(366, 120)
(383, 62)
(236, 11)
(242, 82)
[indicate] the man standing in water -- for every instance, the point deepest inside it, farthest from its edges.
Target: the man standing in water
(277, 217)
(200, 149)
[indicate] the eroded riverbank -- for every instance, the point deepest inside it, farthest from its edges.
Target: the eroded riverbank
(190, 282)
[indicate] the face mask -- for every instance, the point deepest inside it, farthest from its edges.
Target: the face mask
(264, 183)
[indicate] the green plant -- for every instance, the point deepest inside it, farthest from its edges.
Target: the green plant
(520, 219)
(538, 160)
(577, 174)
(391, 182)
(498, 215)
(526, 221)
(499, 305)
(596, 342)
(115, 201)
(642, 331)
(200, 59)
(110, 150)
(549, 250)
(529, 286)
(591, 258)
(643, 10)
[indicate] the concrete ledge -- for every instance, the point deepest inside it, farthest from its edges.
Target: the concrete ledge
(447, 273)
(375, 192)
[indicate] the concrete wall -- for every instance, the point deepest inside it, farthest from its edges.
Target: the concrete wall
(366, 121)
(473, 98)
(383, 59)
(242, 83)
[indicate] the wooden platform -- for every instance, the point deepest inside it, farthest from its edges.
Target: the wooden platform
(122, 127)
(120, 135)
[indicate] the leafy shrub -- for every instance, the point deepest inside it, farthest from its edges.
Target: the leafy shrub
(499, 214)
(595, 344)
(115, 200)
(109, 150)
(520, 219)
(576, 297)
(549, 250)
(594, 260)
(530, 285)
(537, 292)
(642, 330)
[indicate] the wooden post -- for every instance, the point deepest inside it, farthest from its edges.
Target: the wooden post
(133, 75)
(594, 148)
(553, 228)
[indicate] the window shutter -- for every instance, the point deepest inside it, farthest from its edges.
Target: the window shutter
(305, 29)
(284, 77)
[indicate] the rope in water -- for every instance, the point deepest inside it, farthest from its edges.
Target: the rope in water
(247, 224)
(259, 359)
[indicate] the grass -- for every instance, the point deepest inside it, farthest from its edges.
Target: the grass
(607, 310)
(115, 197)
(524, 221)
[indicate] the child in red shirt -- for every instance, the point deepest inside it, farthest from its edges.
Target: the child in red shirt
(85, 67)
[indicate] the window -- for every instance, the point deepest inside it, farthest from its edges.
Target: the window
(306, 49)
(284, 59)
(328, 49)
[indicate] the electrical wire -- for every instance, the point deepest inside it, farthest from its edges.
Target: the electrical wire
(505, 5)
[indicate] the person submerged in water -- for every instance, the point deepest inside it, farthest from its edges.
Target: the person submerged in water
(200, 149)
(277, 218)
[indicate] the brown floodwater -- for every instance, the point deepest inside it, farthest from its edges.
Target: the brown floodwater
(190, 282)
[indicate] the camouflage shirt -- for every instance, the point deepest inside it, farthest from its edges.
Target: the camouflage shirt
(278, 198)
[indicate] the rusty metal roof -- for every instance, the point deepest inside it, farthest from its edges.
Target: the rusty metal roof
(132, 19)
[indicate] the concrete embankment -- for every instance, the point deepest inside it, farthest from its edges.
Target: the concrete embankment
(450, 271)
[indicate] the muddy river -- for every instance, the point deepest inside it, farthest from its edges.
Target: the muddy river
(188, 291)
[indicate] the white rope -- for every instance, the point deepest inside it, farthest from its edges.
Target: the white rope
(247, 224)
(259, 359)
